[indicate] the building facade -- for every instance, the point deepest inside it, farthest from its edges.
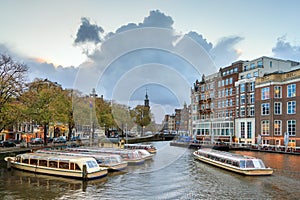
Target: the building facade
(224, 105)
(278, 108)
(245, 94)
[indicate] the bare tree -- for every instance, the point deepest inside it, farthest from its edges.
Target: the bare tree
(12, 78)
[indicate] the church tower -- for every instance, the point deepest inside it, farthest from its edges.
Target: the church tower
(146, 101)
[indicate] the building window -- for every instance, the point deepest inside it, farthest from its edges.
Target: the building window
(291, 90)
(242, 87)
(237, 101)
(249, 130)
(265, 93)
(291, 107)
(243, 100)
(249, 75)
(277, 108)
(255, 74)
(243, 111)
(230, 80)
(251, 111)
(277, 92)
(237, 89)
(252, 86)
(271, 64)
(242, 129)
(277, 127)
(291, 127)
(252, 99)
(259, 64)
(266, 142)
(265, 109)
(265, 127)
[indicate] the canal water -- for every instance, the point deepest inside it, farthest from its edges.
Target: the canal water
(172, 174)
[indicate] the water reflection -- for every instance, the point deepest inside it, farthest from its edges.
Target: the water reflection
(26, 185)
(172, 174)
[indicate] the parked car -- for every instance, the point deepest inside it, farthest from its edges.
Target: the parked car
(59, 140)
(7, 143)
(37, 141)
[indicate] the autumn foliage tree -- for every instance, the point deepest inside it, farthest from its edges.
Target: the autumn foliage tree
(12, 80)
(45, 102)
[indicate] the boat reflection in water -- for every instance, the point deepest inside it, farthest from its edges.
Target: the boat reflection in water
(26, 181)
(241, 164)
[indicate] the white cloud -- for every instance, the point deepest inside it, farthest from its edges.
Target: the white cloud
(286, 50)
(150, 52)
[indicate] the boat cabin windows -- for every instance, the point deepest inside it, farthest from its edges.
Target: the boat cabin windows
(53, 164)
(64, 165)
(43, 163)
(247, 164)
(33, 162)
(26, 161)
(74, 166)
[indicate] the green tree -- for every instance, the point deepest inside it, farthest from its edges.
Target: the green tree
(45, 103)
(68, 104)
(12, 75)
(104, 114)
(121, 114)
(141, 116)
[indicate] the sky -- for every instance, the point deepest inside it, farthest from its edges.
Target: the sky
(123, 48)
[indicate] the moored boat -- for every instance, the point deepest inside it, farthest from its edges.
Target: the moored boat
(150, 148)
(241, 164)
(145, 154)
(132, 157)
(112, 162)
(79, 167)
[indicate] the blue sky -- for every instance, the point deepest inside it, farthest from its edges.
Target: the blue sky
(45, 35)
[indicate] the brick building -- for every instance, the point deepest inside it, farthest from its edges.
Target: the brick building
(277, 108)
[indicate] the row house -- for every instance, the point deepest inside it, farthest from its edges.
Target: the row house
(278, 108)
(182, 120)
(245, 94)
(178, 122)
(224, 104)
(213, 105)
(202, 106)
(169, 123)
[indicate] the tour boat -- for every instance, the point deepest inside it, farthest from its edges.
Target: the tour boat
(80, 167)
(132, 157)
(145, 154)
(241, 164)
(150, 148)
(112, 162)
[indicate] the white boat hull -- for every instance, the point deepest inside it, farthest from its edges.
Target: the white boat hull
(244, 171)
(55, 171)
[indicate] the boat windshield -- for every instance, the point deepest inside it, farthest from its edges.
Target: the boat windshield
(252, 163)
(258, 163)
(91, 164)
